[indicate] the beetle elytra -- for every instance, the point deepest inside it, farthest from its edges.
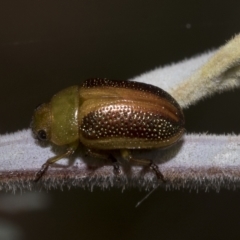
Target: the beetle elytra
(109, 115)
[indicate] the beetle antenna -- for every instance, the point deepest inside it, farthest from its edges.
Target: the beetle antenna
(140, 202)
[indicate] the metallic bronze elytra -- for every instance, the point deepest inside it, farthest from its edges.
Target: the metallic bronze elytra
(107, 115)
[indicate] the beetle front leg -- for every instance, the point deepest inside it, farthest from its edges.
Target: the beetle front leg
(52, 160)
(126, 154)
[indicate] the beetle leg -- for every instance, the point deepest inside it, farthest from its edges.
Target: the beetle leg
(114, 161)
(126, 154)
(52, 160)
(116, 167)
(95, 154)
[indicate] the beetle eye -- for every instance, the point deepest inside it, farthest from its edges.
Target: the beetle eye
(41, 135)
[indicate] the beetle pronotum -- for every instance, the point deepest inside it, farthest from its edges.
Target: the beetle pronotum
(107, 115)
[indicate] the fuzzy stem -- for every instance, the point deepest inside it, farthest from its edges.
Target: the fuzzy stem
(207, 161)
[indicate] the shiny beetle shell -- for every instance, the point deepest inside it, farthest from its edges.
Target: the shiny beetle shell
(107, 114)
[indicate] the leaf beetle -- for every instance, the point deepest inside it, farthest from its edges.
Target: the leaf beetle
(109, 115)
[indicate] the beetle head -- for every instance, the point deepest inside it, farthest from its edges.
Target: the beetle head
(41, 122)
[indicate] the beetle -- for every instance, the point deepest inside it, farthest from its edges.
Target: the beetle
(106, 115)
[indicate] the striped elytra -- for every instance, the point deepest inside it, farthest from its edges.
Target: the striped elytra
(135, 115)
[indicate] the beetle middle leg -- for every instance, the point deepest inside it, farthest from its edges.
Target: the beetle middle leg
(126, 154)
(105, 156)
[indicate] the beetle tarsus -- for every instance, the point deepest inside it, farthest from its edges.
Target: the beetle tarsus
(116, 167)
(40, 173)
(155, 168)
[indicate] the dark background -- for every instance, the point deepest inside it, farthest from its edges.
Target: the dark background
(48, 45)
